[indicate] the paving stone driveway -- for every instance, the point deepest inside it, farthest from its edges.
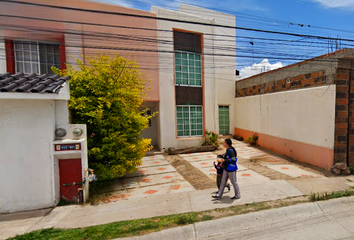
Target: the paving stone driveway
(154, 177)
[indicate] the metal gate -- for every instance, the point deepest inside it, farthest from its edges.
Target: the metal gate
(70, 173)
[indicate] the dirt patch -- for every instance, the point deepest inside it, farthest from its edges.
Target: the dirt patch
(255, 165)
(194, 176)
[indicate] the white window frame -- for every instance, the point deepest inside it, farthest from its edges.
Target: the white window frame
(21, 42)
(201, 69)
(189, 120)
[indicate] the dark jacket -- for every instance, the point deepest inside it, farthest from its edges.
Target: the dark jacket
(229, 154)
(219, 169)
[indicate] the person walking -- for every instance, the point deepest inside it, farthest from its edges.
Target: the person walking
(230, 168)
(219, 171)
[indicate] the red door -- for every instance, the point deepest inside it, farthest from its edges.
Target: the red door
(70, 174)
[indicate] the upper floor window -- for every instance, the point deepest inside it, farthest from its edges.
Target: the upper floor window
(36, 57)
(188, 68)
(188, 64)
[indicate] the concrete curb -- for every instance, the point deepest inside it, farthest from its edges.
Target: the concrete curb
(253, 221)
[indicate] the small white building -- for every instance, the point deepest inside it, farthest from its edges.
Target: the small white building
(32, 108)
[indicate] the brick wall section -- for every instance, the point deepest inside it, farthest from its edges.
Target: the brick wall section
(341, 115)
(344, 115)
(301, 81)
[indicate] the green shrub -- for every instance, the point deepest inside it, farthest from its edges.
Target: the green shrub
(252, 140)
(211, 138)
(107, 94)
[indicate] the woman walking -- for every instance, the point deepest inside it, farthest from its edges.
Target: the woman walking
(230, 167)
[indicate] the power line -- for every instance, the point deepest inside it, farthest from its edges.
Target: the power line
(173, 20)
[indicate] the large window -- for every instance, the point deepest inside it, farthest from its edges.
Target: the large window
(188, 68)
(189, 121)
(35, 57)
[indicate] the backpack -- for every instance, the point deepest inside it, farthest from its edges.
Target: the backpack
(232, 166)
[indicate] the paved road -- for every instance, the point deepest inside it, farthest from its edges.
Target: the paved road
(328, 220)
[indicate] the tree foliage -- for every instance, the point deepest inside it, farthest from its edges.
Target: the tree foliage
(107, 95)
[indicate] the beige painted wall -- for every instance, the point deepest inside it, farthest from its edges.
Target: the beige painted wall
(86, 39)
(305, 115)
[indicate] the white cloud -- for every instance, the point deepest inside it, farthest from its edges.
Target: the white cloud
(257, 68)
(336, 3)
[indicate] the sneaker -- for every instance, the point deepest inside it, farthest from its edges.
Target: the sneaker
(216, 196)
(228, 187)
(215, 192)
(235, 198)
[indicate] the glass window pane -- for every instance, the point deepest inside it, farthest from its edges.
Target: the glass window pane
(26, 46)
(27, 56)
(198, 64)
(35, 68)
(49, 56)
(19, 56)
(28, 68)
(20, 67)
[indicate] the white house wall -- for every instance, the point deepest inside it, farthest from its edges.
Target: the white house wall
(26, 172)
(297, 123)
(224, 59)
(285, 114)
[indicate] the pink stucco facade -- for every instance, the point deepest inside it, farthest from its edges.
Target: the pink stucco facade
(82, 33)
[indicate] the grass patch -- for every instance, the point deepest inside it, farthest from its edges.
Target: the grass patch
(186, 219)
(352, 170)
(314, 197)
(144, 226)
(207, 217)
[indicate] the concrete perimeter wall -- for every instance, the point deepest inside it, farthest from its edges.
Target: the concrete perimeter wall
(298, 123)
(26, 172)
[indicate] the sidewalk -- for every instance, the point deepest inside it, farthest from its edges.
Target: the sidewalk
(327, 220)
(159, 205)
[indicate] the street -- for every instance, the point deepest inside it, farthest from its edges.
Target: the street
(330, 220)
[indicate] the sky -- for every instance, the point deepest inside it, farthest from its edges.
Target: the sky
(327, 18)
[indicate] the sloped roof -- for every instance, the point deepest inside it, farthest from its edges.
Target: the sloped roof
(32, 83)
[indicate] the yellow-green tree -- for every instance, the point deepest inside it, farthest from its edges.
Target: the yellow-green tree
(107, 95)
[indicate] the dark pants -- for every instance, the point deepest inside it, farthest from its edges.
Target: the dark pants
(218, 181)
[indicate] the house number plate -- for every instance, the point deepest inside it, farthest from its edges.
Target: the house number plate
(67, 147)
